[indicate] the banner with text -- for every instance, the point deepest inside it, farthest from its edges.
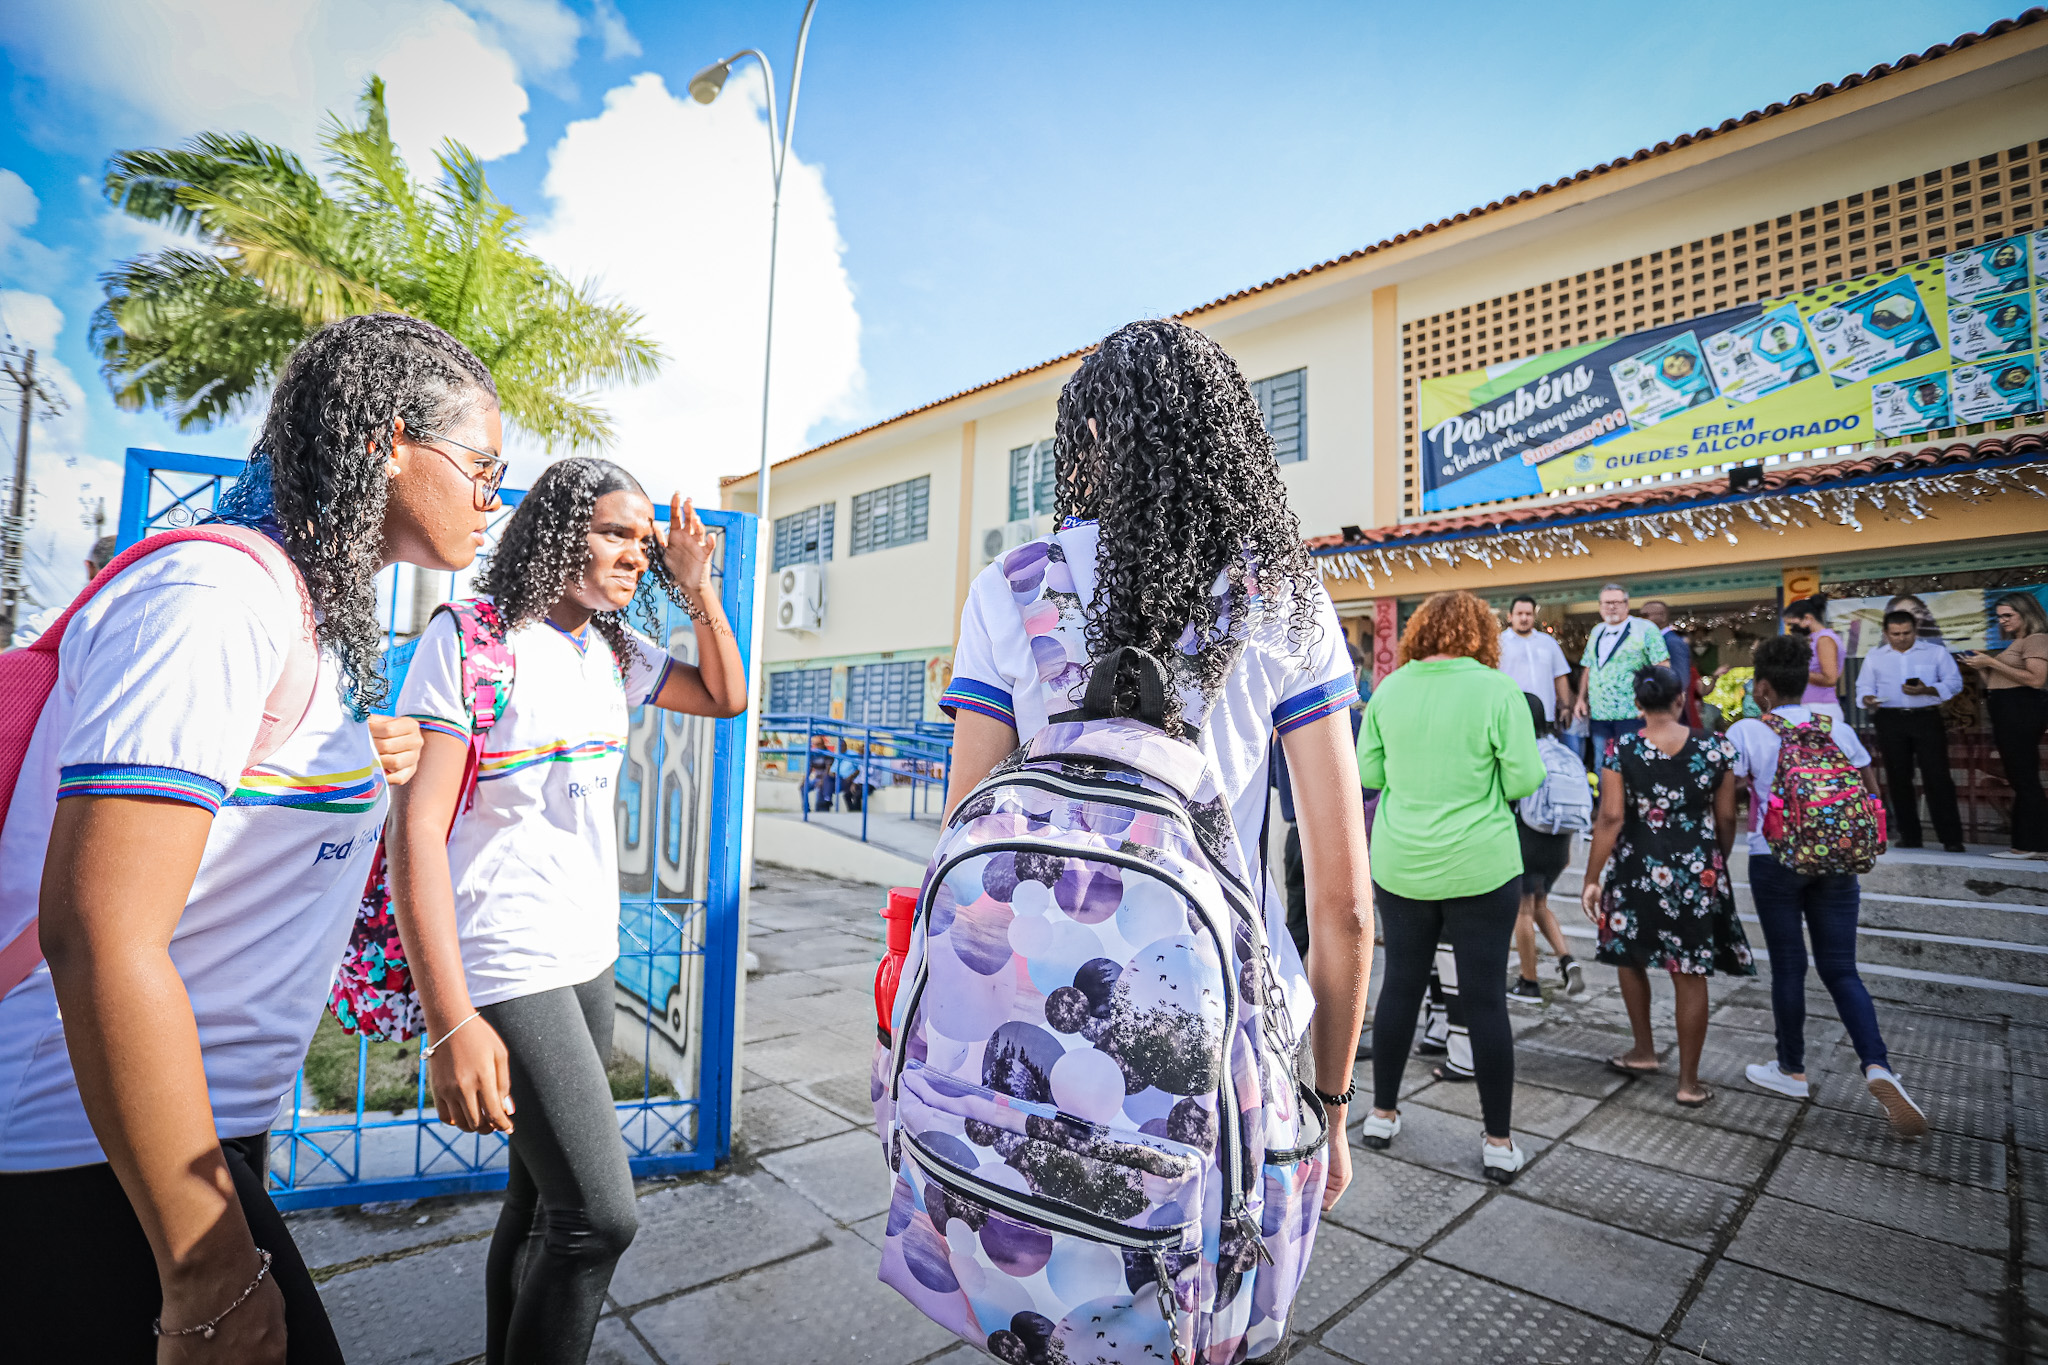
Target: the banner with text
(1942, 343)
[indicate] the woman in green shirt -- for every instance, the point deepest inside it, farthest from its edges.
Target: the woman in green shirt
(1448, 741)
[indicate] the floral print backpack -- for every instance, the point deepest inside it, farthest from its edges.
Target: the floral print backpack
(1821, 818)
(373, 992)
(1101, 1151)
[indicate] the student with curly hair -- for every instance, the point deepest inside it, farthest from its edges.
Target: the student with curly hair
(1448, 741)
(1175, 525)
(193, 904)
(512, 932)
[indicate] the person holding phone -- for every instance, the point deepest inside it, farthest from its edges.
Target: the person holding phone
(1904, 682)
(2016, 683)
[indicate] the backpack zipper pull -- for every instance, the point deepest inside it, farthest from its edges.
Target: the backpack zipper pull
(1168, 1309)
(1251, 1230)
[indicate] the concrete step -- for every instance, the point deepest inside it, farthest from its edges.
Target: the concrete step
(1959, 876)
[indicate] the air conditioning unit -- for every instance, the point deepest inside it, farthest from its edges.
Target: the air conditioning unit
(800, 598)
(997, 541)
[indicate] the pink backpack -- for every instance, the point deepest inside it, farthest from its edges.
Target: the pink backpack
(1821, 818)
(373, 993)
(28, 674)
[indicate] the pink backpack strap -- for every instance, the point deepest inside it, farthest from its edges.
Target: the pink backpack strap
(487, 671)
(33, 677)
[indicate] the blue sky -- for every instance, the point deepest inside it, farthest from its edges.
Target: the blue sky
(982, 186)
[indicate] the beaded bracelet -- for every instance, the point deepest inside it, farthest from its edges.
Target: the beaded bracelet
(1331, 1101)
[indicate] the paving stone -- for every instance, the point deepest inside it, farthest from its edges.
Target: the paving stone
(422, 1310)
(832, 1007)
(794, 953)
(1672, 1144)
(1307, 1355)
(1602, 1270)
(1945, 1048)
(1560, 1072)
(1893, 1198)
(764, 1023)
(845, 1176)
(850, 1097)
(1955, 1099)
(332, 1237)
(1867, 1137)
(2034, 1234)
(1414, 1076)
(2030, 1111)
(1925, 1278)
(1744, 1316)
(1445, 1142)
(751, 1080)
(1399, 1202)
(815, 1055)
(872, 1230)
(853, 976)
(679, 1244)
(1434, 1315)
(2036, 1286)
(824, 1308)
(1757, 1019)
(1628, 1194)
(1538, 1109)
(2027, 1050)
(773, 988)
(615, 1344)
(1343, 1266)
(1745, 1110)
(1578, 1040)
(773, 1118)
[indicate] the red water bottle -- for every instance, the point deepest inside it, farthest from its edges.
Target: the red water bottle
(901, 913)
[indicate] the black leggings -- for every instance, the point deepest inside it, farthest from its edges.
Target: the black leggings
(2018, 716)
(1479, 930)
(78, 1281)
(568, 1213)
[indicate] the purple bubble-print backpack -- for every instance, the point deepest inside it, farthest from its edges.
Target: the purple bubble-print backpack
(1101, 1150)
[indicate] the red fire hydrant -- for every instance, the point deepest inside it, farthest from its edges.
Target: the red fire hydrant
(900, 913)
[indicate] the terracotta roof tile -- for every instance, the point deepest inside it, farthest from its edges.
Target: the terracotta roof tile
(1650, 497)
(1819, 92)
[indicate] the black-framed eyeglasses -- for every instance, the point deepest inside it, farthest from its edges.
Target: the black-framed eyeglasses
(486, 479)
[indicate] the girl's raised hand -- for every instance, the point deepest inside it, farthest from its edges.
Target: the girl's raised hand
(686, 549)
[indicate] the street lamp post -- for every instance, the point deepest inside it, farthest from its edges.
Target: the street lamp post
(704, 88)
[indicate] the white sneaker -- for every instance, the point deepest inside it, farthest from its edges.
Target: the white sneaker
(1767, 1076)
(1574, 981)
(1379, 1133)
(1501, 1163)
(2013, 854)
(1906, 1118)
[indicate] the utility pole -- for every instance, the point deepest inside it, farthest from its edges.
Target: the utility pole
(20, 369)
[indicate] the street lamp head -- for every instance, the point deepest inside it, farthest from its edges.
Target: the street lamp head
(705, 85)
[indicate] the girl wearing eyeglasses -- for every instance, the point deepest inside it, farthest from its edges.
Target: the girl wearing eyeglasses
(512, 931)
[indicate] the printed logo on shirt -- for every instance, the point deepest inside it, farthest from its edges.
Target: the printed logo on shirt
(349, 793)
(333, 852)
(494, 766)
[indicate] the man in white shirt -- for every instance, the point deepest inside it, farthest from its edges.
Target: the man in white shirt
(1532, 658)
(1905, 680)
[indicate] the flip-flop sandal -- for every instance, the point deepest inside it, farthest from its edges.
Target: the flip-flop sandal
(1615, 1063)
(1444, 1073)
(1694, 1104)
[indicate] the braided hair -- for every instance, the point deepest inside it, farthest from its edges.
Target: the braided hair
(544, 550)
(1160, 441)
(316, 476)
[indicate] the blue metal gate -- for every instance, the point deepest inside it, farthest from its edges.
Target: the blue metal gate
(678, 808)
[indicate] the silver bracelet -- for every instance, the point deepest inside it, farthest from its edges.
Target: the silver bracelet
(205, 1329)
(427, 1050)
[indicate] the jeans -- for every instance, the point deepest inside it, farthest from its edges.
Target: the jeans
(1906, 736)
(1825, 907)
(1479, 930)
(2018, 715)
(1602, 731)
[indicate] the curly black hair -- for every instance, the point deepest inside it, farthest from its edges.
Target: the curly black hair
(318, 466)
(544, 549)
(1160, 441)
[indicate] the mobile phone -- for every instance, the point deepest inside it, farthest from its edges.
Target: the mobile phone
(1915, 682)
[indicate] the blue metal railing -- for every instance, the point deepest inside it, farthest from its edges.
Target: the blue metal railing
(918, 756)
(678, 807)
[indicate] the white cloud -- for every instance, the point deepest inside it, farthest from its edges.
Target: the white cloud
(665, 203)
(166, 69)
(22, 258)
(618, 40)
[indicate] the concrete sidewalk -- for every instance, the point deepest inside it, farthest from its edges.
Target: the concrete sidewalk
(1754, 1230)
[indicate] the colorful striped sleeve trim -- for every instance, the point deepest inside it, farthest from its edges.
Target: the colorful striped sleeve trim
(1312, 705)
(965, 694)
(661, 681)
(132, 779)
(454, 729)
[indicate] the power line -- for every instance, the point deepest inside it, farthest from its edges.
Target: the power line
(19, 367)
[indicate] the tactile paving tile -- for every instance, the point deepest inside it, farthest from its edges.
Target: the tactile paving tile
(1745, 1110)
(2034, 1236)
(1742, 1016)
(1399, 1202)
(1927, 1279)
(1560, 1072)
(1576, 1040)
(1902, 1030)
(1956, 1099)
(1945, 1048)
(2030, 1111)
(1724, 1065)
(2027, 1050)
(1617, 1276)
(1628, 1194)
(1343, 1266)
(1674, 1145)
(1433, 1315)
(2033, 1173)
(1746, 1317)
(1536, 1109)
(1961, 1214)
(1867, 1137)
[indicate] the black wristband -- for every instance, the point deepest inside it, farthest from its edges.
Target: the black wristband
(1331, 1101)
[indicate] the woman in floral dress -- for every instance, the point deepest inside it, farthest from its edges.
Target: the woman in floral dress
(1667, 816)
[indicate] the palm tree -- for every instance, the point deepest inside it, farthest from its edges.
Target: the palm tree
(202, 330)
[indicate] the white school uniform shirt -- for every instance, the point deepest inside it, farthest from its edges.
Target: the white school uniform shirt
(160, 687)
(534, 861)
(1276, 687)
(1756, 757)
(1886, 670)
(1535, 662)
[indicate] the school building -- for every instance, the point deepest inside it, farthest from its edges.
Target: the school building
(1906, 175)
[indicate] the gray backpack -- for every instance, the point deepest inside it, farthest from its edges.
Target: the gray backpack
(1564, 803)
